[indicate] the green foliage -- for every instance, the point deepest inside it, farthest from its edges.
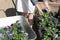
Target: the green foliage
(49, 22)
(15, 32)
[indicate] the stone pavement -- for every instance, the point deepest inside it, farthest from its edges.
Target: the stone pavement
(7, 8)
(4, 5)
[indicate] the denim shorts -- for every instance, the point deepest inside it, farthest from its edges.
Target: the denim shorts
(44, 0)
(35, 1)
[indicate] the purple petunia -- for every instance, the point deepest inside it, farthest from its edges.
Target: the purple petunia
(1, 36)
(12, 24)
(19, 27)
(1, 28)
(45, 10)
(55, 20)
(58, 25)
(8, 27)
(7, 32)
(10, 35)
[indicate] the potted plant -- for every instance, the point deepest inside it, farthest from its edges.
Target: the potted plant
(13, 32)
(49, 26)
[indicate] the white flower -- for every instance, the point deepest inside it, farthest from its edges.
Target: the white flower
(22, 31)
(26, 34)
(42, 19)
(55, 35)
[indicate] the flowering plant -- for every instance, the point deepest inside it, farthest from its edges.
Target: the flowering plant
(49, 26)
(13, 32)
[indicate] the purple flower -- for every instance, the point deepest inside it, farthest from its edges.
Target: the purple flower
(12, 24)
(55, 20)
(1, 36)
(10, 35)
(1, 28)
(8, 27)
(58, 25)
(19, 27)
(7, 32)
(45, 10)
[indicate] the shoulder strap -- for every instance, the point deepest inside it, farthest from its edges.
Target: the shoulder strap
(34, 1)
(15, 7)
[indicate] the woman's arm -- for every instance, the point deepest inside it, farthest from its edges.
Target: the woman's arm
(35, 3)
(39, 9)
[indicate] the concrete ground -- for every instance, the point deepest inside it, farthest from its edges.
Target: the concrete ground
(4, 6)
(7, 7)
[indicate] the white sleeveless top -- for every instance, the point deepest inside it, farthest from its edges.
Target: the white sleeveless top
(25, 6)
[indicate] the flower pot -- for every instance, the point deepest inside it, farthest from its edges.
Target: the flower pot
(9, 20)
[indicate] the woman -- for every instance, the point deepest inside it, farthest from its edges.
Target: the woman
(28, 7)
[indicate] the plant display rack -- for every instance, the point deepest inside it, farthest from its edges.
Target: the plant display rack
(48, 25)
(16, 28)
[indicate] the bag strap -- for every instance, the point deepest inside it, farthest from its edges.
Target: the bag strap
(15, 7)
